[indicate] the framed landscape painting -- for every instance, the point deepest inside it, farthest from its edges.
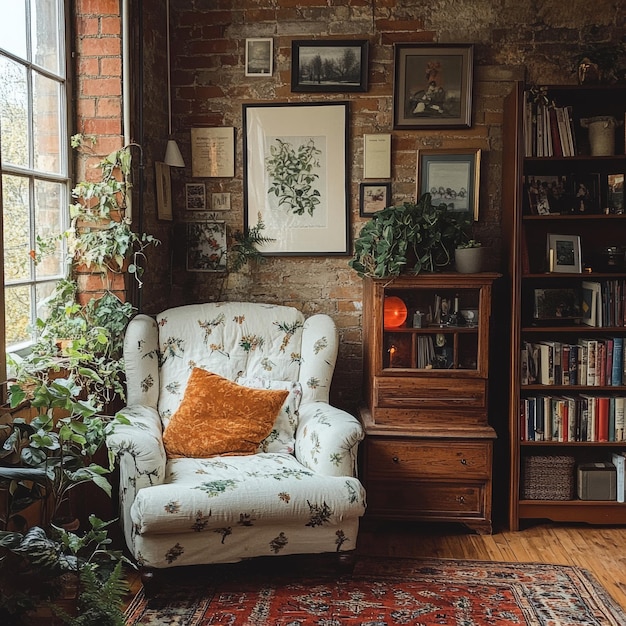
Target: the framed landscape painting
(329, 66)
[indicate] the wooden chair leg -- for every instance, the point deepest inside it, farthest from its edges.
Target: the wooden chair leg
(346, 561)
(150, 581)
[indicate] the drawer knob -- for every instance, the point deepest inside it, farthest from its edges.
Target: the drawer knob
(460, 499)
(395, 459)
(463, 461)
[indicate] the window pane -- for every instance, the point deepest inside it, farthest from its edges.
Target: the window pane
(12, 27)
(45, 26)
(46, 124)
(50, 209)
(13, 113)
(43, 291)
(17, 312)
(16, 228)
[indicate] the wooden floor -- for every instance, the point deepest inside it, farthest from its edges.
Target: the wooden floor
(600, 550)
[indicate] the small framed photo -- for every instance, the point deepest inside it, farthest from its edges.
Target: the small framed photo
(195, 197)
(329, 66)
(557, 304)
(452, 177)
(586, 192)
(373, 197)
(220, 202)
(259, 57)
(432, 86)
(164, 191)
(206, 246)
(615, 194)
(547, 195)
(564, 254)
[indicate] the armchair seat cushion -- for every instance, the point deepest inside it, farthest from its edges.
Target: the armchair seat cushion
(266, 488)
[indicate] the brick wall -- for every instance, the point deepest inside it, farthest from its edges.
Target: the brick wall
(512, 41)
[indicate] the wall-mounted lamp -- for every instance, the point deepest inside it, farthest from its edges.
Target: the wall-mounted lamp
(173, 156)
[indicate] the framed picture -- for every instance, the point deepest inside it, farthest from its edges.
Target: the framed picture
(206, 246)
(564, 253)
(373, 197)
(296, 178)
(220, 201)
(432, 86)
(547, 195)
(451, 177)
(586, 192)
(377, 155)
(557, 304)
(329, 66)
(195, 197)
(164, 191)
(615, 193)
(259, 57)
(213, 152)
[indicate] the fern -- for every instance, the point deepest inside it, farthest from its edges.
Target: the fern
(245, 248)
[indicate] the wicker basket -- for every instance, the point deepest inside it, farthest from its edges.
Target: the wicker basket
(548, 478)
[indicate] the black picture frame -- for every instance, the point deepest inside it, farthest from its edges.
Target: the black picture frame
(433, 86)
(320, 66)
(373, 197)
(304, 213)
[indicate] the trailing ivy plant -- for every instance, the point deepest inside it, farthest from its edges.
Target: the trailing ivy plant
(85, 341)
(409, 238)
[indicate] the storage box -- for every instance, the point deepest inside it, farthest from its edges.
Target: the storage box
(597, 481)
(548, 478)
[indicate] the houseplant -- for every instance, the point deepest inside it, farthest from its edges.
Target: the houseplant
(411, 238)
(601, 63)
(468, 257)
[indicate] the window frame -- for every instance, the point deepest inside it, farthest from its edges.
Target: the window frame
(64, 78)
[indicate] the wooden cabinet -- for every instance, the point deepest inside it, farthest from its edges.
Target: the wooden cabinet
(539, 425)
(428, 449)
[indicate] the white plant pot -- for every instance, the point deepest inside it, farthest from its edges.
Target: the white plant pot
(469, 260)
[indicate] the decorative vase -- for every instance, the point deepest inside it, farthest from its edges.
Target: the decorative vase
(601, 134)
(468, 260)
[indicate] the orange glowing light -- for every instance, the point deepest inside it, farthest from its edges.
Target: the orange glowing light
(394, 312)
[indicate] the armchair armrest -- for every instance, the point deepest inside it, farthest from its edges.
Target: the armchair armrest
(139, 449)
(327, 439)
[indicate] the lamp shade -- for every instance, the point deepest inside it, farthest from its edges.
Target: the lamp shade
(173, 156)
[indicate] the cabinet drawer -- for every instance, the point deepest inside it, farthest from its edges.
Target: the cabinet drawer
(398, 459)
(431, 392)
(425, 500)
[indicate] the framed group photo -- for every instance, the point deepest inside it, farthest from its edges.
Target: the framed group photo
(373, 197)
(452, 177)
(329, 66)
(432, 86)
(295, 176)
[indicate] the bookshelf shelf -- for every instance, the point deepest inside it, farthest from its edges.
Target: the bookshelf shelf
(580, 197)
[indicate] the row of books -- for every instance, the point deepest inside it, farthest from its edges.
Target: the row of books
(548, 129)
(572, 419)
(591, 362)
(603, 302)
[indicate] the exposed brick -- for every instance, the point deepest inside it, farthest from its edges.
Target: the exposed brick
(100, 46)
(101, 87)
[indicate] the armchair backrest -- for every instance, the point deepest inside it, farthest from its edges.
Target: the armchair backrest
(231, 339)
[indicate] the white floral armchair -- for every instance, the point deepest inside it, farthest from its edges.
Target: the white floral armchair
(297, 494)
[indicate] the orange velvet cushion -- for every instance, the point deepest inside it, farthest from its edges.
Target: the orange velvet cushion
(218, 416)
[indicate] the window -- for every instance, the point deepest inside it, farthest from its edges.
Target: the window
(33, 158)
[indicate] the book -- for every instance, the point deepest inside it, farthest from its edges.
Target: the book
(602, 418)
(619, 460)
(618, 356)
(590, 346)
(620, 421)
(546, 363)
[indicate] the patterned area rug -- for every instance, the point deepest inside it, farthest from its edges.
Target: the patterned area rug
(382, 592)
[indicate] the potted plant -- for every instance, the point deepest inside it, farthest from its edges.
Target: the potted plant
(53, 453)
(409, 238)
(468, 257)
(85, 341)
(601, 63)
